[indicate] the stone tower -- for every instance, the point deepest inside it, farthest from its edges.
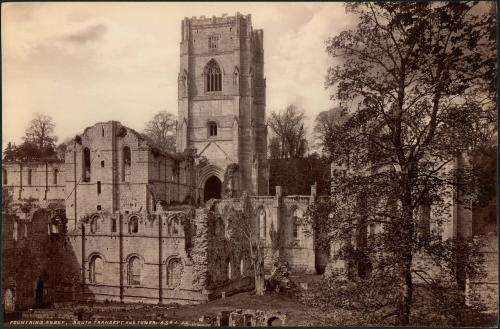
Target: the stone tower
(222, 104)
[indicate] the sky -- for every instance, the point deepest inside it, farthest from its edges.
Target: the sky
(83, 63)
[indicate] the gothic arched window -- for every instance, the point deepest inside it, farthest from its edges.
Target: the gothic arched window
(213, 77)
(174, 272)
(29, 176)
(95, 270)
(134, 271)
(56, 173)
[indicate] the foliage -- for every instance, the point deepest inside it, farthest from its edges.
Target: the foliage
(327, 125)
(38, 141)
(243, 233)
(296, 176)
(6, 200)
(41, 132)
(161, 131)
(417, 90)
(288, 126)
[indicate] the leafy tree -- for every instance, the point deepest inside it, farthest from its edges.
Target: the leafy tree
(161, 131)
(327, 124)
(9, 154)
(40, 132)
(417, 87)
(288, 126)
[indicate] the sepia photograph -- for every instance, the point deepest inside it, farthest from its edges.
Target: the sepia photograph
(249, 164)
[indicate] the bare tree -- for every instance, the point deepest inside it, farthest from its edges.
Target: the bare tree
(161, 131)
(288, 126)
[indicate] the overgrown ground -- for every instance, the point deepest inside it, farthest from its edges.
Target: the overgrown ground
(298, 307)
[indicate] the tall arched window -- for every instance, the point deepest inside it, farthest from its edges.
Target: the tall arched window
(174, 272)
(262, 223)
(94, 224)
(295, 224)
(29, 176)
(95, 269)
(56, 173)
(86, 165)
(213, 76)
(133, 224)
(127, 163)
(134, 271)
(4, 176)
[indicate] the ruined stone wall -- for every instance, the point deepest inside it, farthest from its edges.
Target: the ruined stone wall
(485, 290)
(280, 215)
(161, 238)
(47, 180)
(26, 258)
(116, 183)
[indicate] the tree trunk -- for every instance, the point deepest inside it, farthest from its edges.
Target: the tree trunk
(260, 284)
(406, 285)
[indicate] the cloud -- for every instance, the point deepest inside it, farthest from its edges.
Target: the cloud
(90, 33)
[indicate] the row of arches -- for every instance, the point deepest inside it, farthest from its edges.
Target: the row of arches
(173, 226)
(134, 270)
(55, 176)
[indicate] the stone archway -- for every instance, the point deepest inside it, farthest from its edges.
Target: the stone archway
(9, 304)
(212, 188)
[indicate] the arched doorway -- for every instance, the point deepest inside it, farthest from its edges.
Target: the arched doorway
(39, 293)
(8, 301)
(213, 189)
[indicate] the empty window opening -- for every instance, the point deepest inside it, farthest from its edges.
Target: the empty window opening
(295, 224)
(94, 224)
(4, 175)
(99, 207)
(98, 187)
(29, 176)
(86, 165)
(262, 223)
(213, 42)
(212, 129)
(113, 225)
(95, 269)
(133, 224)
(56, 174)
(102, 131)
(134, 271)
(102, 164)
(213, 77)
(174, 273)
(126, 164)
